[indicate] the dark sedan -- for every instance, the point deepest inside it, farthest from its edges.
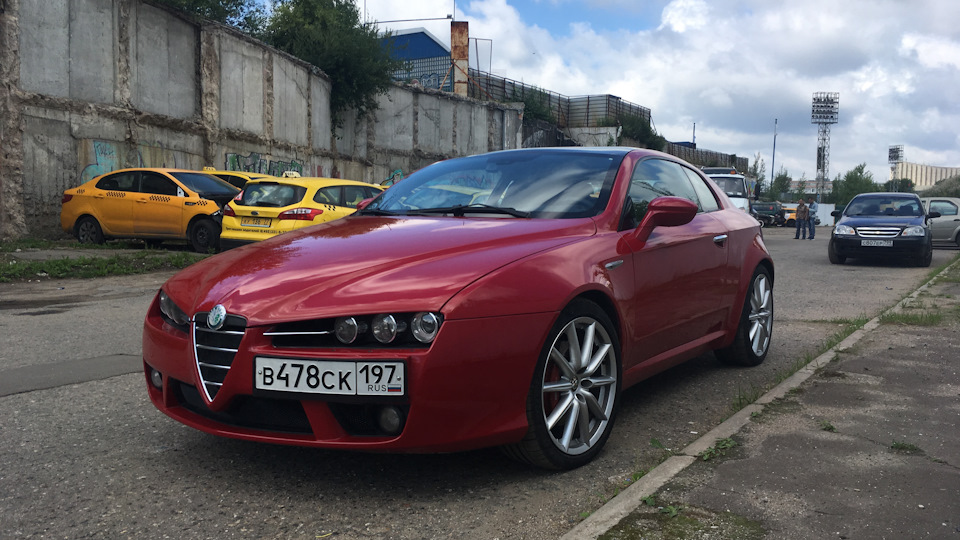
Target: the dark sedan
(883, 225)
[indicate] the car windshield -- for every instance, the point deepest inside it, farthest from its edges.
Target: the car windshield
(205, 183)
(731, 185)
(271, 194)
(884, 207)
(552, 184)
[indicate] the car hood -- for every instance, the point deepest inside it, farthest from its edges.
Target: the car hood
(881, 221)
(363, 264)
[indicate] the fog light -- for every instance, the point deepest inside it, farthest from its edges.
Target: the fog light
(156, 379)
(390, 420)
(384, 328)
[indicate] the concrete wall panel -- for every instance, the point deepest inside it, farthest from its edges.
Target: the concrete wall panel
(320, 112)
(241, 85)
(164, 64)
(290, 94)
(50, 156)
(93, 50)
(471, 129)
(45, 47)
(393, 128)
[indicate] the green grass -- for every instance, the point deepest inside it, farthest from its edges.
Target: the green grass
(139, 262)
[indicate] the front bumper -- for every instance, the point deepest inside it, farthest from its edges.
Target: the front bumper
(853, 246)
(466, 391)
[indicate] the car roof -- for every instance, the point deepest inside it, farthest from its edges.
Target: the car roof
(887, 195)
(312, 182)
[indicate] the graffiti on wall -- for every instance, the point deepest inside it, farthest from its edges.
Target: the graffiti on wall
(256, 163)
(100, 157)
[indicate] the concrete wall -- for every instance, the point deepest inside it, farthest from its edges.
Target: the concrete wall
(90, 86)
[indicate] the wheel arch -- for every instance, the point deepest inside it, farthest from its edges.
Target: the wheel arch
(733, 319)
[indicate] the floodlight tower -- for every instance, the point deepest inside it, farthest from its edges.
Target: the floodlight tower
(895, 157)
(826, 110)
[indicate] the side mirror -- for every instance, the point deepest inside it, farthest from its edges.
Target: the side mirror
(363, 204)
(934, 214)
(836, 213)
(665, 212)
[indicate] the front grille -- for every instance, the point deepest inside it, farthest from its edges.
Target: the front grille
(216, 349)
(878, 232)
(250, 412)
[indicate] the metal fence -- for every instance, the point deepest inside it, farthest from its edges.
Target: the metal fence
(433, 73)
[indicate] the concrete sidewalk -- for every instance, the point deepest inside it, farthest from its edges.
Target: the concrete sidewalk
(862, 443)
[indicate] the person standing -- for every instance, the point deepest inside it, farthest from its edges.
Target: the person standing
(812, 218)
(803, 214)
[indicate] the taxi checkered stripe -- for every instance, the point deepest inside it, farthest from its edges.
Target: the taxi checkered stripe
(160, 198)
(118, 194)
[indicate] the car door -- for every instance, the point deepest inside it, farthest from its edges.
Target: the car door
(679, 271)
(944, 228)
(159, 206)
(113, 202)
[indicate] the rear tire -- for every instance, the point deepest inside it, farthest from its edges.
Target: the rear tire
(755, 330)
(204, 236)
(88, 231)
(573, 395)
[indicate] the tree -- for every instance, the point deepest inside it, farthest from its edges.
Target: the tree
(246, 15)
(801, 191)
(759, 171)
(640, 130)
(856, 181)
(903, 185)
(329, 35)
(780, 185)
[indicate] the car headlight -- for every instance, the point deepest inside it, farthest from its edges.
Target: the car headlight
(385, 328)
(916, 230)
(843, 229)
(171, 311)
(425, 326)
(347, 329)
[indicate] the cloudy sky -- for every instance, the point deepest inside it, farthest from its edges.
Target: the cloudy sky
(733, 67)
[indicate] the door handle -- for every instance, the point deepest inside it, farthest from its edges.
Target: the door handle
(719, 239)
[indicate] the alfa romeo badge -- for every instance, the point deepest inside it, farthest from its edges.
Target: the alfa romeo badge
(216, 317)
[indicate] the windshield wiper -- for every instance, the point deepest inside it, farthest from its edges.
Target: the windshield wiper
(375, 212)
(462, 209)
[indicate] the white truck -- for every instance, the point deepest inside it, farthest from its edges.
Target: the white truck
(732, 183)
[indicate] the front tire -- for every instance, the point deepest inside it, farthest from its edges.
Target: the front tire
(204, 236)
(755, 330)
(835, 258)
(88, 231)
(573, 395)
(925, 259)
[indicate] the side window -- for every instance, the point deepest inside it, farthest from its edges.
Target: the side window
(946, 208)
(352, 195)
(708, 201)
(328, 195)
(155, 183)
(654, 178)
(119, 182)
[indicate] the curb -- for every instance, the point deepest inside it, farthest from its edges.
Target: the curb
(610, 514)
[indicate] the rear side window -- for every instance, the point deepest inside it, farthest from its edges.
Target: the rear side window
(271, 195)
(119, 182)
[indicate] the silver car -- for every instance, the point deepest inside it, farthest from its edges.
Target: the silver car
(946, 228)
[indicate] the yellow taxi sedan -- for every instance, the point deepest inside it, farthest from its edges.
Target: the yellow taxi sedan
(154, 204)
(268, 207)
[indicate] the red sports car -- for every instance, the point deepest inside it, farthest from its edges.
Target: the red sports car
(505, 299)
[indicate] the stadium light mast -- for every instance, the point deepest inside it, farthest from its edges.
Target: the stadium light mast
(826, 111)
(895, 157)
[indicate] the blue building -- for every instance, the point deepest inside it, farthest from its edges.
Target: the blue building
(428, 59)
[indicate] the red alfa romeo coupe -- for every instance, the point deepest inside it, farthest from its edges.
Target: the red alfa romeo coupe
(504, 299)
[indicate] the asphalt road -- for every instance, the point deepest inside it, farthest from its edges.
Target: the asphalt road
(85, 454)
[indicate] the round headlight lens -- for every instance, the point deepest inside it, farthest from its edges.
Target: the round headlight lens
(346, 329)
(384, 328)
(172, 311)
(425, 326)
(917, 230)
(844, 229)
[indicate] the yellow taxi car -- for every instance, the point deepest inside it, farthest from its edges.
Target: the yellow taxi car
(236, 178)
(268, 207)
(149, 203)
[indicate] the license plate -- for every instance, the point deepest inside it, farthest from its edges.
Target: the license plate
(876, 243)
(330, 377)
(255, 222)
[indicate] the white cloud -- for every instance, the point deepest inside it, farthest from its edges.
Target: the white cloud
(733, 66)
